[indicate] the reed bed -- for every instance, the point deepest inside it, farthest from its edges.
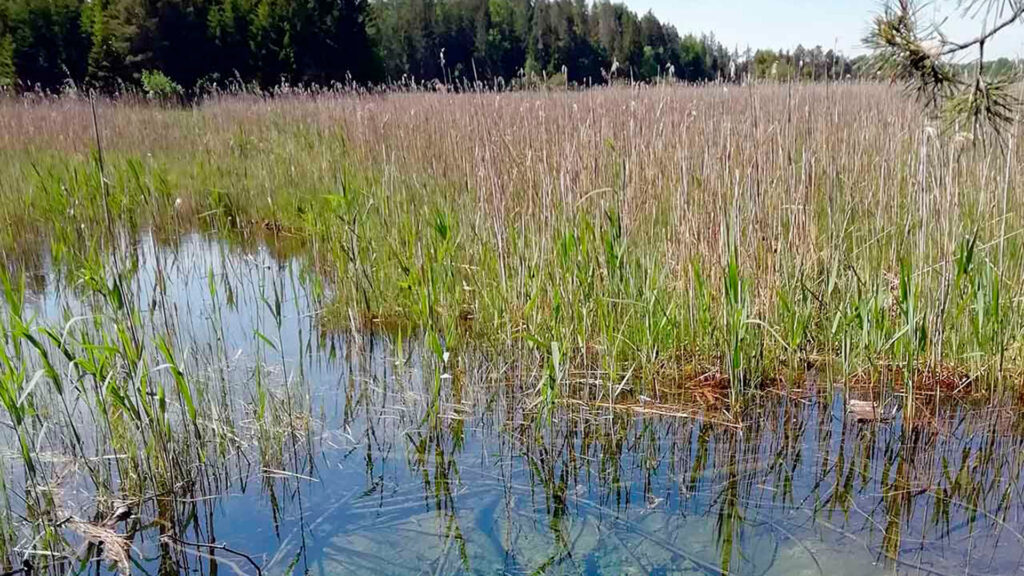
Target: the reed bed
(643, 237)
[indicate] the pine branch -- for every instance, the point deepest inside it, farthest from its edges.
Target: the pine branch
(954, 47)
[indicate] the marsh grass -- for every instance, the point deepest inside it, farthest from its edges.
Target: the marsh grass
(636, 235)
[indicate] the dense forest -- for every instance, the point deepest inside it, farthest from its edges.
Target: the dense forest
(191, 45)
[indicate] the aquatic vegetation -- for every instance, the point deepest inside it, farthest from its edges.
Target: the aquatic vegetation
(654, 233)
(238, 433)
(662, 330)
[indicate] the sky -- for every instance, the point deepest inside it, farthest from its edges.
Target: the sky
(830, 23)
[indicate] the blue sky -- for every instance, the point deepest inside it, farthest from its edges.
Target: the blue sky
(786, 23)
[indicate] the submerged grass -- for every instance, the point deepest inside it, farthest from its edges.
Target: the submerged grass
(639, 235)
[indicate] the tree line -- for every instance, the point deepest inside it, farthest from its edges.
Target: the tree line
(187, 45)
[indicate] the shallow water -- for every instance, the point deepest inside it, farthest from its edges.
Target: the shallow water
(408, 465)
